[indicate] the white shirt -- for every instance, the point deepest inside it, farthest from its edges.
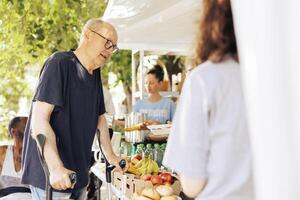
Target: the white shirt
(8, 168)
(209, 137)
(11, 178)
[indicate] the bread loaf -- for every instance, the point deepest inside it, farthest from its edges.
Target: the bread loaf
(173, 197)
(151, 193)
(165, 190)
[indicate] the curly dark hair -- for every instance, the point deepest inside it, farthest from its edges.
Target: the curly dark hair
(216, 37)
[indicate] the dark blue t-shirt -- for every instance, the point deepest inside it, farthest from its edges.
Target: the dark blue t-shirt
(77, 97)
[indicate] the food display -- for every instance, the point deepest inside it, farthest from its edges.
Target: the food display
(162, 192)
(146, 177)
(164, 178)
(140, 126)
(160, 129)
(144, 166)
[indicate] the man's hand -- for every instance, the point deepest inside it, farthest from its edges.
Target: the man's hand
(116, 160)
(59, 178)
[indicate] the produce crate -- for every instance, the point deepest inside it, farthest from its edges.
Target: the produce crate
(117, 182)
(136, 185)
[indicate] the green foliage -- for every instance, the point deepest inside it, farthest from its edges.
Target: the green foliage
(30, 31)
(120, 64)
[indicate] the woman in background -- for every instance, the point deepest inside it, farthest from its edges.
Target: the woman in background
(157, 108)
(209, 145)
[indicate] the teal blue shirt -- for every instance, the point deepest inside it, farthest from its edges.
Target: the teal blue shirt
(161, 111)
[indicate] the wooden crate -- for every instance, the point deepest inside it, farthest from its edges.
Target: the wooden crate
(136, 185)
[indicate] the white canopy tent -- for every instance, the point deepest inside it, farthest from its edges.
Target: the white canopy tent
(154, 25)
(162, 27)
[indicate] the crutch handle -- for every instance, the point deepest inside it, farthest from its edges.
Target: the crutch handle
(122, 163)
(73, 178)
(41, 139)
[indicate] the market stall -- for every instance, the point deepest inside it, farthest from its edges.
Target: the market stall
(158, 27)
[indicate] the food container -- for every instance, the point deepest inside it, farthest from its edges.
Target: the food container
(131, 120)
(161, 129)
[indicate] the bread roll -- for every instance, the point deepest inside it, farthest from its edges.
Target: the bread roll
(173, 197)
(150, 193)
(165, 190)
(143, 198)
(139, 197)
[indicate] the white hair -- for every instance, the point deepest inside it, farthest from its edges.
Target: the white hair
(93, 23)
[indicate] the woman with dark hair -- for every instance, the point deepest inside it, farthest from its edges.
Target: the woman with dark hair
(157, 108)
(209, 145)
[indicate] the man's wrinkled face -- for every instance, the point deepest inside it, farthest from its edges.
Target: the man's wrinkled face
(103, 43)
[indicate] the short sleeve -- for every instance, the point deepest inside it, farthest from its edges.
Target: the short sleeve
(50, 84)
(188, 143)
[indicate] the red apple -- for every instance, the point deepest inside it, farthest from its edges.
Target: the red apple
(146, 177)
(156, 180)
(139, 157)
(166, 177)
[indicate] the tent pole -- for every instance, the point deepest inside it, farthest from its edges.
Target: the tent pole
(133, 77)
(141, 74)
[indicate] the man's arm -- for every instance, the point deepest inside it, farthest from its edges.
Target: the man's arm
(106, 143)
(59, 176)
(2, 156)
(192, 187)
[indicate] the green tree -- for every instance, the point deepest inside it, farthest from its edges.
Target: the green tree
(120, 64)
(30, 31)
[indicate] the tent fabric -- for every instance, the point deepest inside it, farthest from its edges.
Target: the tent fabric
(154, 25)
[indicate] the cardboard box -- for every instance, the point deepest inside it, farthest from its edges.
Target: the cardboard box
(136, 185)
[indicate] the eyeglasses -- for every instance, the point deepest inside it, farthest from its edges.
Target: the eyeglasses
(108, 44)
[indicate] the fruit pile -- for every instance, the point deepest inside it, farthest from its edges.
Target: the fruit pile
(143, 166)
(165, 178)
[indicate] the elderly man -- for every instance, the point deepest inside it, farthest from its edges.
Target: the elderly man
(67, 108)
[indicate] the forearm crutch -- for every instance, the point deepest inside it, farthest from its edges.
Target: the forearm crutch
(41, 140)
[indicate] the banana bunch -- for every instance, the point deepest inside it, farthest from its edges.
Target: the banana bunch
(147, 166)
(133, 170)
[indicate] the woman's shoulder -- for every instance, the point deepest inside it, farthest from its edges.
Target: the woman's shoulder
(215, 72)
(167, 100)
(140, 103)
(209, 67)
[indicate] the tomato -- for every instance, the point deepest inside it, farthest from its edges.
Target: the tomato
(166, 177)
(156, 180)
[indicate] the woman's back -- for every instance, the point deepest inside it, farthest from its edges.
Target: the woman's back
(210, 124)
